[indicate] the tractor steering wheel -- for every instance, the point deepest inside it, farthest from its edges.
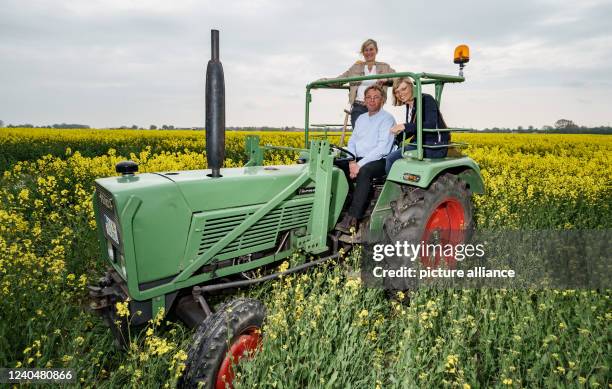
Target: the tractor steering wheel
(348, 155)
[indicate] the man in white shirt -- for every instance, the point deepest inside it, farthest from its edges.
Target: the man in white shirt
(370, 142)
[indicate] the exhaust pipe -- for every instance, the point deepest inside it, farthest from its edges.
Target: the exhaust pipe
(215, 109)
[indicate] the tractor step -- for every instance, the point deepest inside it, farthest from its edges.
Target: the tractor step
(351, 238)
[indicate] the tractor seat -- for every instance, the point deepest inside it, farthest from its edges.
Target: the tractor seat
(379, 180)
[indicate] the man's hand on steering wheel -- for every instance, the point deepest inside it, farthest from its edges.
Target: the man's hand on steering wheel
(349, 156)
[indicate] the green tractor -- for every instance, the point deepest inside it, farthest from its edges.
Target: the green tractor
(174, 239)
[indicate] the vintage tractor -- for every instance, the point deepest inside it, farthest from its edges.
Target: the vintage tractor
(175, 238)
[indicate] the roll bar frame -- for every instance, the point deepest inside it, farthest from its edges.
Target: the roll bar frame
(420, 79)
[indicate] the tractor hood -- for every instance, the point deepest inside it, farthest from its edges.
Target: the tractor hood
(152, 212)
(200, 192)
(237, 186)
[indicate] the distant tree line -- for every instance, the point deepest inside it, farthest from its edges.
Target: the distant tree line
(61, 125)
(561, 126)
(547, 130)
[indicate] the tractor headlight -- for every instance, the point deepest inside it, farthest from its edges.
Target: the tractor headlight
(111, 250)
(122, 264)
(111, 229)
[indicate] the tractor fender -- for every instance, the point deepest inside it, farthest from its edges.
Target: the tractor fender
(408, 171)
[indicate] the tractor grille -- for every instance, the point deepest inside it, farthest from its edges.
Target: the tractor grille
(264, 232)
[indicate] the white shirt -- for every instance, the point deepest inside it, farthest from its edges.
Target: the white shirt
(365, 84)
(371, 138)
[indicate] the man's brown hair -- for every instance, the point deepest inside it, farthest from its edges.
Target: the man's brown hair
(379, 89)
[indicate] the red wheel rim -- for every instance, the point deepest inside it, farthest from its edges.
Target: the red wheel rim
(445, 226)
(245, 345)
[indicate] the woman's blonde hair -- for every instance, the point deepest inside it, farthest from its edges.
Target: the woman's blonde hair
(366, 43)
(396, 83)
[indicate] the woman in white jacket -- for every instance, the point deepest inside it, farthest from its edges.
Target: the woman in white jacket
(369, 66)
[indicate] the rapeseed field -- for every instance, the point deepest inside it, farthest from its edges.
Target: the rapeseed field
(324, 328)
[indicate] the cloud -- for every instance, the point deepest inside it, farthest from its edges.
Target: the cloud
(115, 62)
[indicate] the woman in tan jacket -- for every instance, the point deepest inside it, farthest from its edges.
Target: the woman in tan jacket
(369, 66)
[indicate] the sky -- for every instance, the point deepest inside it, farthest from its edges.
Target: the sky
(110, 63)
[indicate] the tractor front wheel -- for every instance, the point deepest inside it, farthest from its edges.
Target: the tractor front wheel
(225, 337)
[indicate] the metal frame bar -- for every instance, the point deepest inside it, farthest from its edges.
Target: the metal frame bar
(248, 222)
(307, 115)
(445, 130)
(439, 88)
(428, 78)
(419, 118)
(320, 167)
(237, 284)
(454, 144)
(268, 146)
(255, 152)
(420, 79)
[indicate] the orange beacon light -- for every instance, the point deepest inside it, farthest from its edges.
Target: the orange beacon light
(461, 57)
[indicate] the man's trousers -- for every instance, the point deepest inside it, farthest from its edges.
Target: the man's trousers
(360, 188)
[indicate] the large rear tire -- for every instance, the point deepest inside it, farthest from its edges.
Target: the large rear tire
(441, 214)
(225, 337)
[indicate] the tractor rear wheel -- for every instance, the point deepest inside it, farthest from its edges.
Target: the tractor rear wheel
(441, 214)
(225, 337)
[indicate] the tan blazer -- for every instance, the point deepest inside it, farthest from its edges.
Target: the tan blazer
(358, 69)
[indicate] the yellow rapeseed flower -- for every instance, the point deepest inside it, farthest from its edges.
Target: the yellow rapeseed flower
(122, 309)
